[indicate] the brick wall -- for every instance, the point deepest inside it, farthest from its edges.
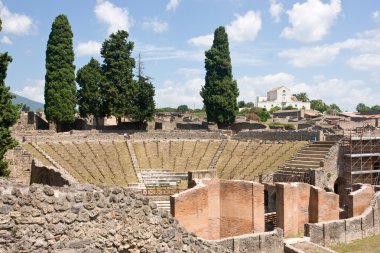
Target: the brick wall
(345, 231)
(19, 162)
(359, 200)
(300, 203)
(220, 208)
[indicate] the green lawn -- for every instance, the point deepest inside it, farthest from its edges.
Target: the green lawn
(367, 245)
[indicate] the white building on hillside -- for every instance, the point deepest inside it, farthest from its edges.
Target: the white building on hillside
(281, 97)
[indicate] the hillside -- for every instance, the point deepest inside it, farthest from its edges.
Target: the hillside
(34, 105)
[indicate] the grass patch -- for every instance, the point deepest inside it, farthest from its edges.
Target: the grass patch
(368, 245)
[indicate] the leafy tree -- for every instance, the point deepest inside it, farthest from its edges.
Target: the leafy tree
(60, 89)
(241, 104)
(118, 65)
(220, 90)
(362, 108)
(90, 81)
(143, 105)
(289, 107)
(318, 105)
(375, 108)
(303, 97)
(333, 108)
(182, 108)
(263, 115)
(275, 109)
(8, 114)
(25, 108)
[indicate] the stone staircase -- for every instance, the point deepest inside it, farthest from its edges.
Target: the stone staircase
(135, 163)
(163, 204)
(162, 178)
(218, 153)
(311, 157)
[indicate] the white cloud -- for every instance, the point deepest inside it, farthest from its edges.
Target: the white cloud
(311, 20)
(251, 87)
(88, 48)
(376, 16)
(366, 43)
(6, 40)
(156, 25)
(114, 17)
(180, 93)
(34, 90)
(244, 28)
(205, 40)
(365, 62)
(172, 5)
(18, 24)
(154, 53)
(307, 57)
(275, 10)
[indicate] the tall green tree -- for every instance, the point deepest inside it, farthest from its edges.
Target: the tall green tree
(118, 65)
(220, 91)
(8, 113)
(143, 101)
(318, 105)
(60, 89)
(362, 108)
(302, 97)
(90, 80)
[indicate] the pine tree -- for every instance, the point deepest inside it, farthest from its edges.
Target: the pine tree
(220, 91)
(118, 70)
(8, 113)
(60, 89)
(143, 103)
(90, 80)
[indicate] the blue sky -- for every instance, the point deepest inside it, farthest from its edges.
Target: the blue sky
(327, 48)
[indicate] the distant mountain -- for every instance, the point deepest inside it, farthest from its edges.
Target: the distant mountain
(34, 105)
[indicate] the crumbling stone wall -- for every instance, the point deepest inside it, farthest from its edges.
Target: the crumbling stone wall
(221, 208)
(275, 135)
(326, 176)
(300, 203)
(345, 231)
(84, 218)
(19, 161)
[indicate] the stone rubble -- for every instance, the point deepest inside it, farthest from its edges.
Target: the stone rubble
(85, 218)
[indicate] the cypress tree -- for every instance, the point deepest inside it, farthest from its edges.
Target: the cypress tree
(220, 91)
(90, 80)
(118, 70)
(60, 89)
(8, 113)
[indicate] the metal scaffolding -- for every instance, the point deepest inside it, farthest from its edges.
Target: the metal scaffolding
(362, 156)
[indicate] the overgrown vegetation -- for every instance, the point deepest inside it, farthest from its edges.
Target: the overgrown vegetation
(284, 125)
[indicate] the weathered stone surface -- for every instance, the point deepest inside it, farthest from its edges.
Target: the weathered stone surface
(367, 223)
(353, 229)
(84, 219)
(334, 232)
(315, 232)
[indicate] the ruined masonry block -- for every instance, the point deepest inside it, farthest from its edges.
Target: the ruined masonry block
(334, 232)
(353, 229)
(271, 242)
(315, 232)
(247, 243)
(367, 223)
